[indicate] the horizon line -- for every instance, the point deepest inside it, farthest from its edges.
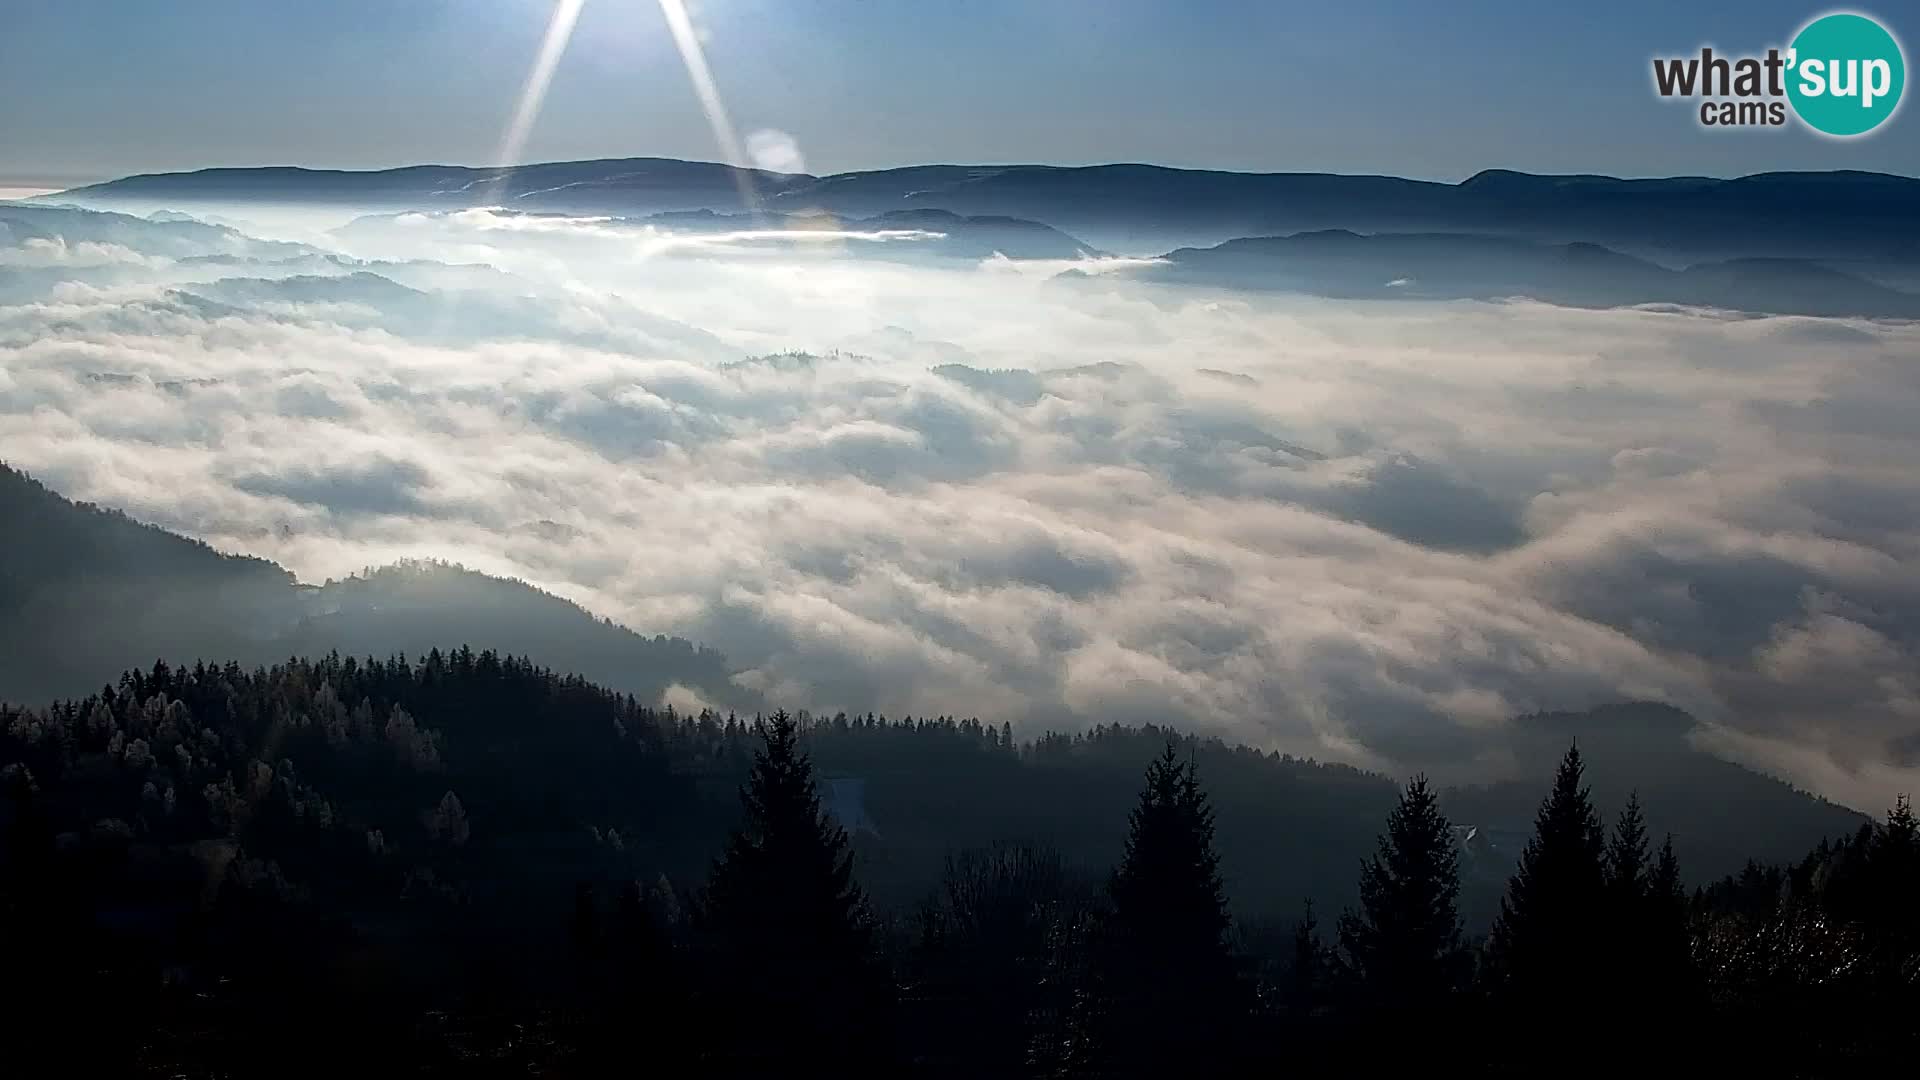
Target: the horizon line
(76, 182)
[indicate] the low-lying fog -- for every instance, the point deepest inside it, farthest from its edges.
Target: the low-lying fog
(1362, 531)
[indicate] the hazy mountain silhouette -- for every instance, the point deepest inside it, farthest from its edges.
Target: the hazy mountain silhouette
(159, 234)
(1450, 266)
(661, 183)
(1143, 208)
(87, 592)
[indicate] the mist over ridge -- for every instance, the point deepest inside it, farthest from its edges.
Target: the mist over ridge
(1299, 517)
(1104, 541)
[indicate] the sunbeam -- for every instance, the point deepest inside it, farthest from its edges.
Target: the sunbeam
(559, 32)
(709, 93)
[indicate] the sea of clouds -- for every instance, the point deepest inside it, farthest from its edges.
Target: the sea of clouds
(1364, 531)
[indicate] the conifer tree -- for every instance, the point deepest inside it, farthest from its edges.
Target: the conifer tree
(1547, 940)
(1404, 944)
(1627, 871)
(1664, 986)
(1667, 915)
(1665, 882)
(1169, 993)
(1643, 926)
(1891, 879)
(1893, 862)
(788, 924)
(1301, 1028)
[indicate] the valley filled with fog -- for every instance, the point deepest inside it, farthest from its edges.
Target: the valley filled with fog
(878, 471)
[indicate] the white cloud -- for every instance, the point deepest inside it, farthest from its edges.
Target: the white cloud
(42, 251)
(1367, 531)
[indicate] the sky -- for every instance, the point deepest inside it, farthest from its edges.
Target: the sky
(102, 88)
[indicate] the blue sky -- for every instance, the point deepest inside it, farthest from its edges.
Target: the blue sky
(96, 88)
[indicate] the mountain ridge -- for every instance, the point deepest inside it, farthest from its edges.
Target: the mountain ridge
(1139, 207)
(1459, 266)
(88, 592)
(1480, 178)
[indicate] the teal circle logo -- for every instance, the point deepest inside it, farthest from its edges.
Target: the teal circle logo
(1845, 74)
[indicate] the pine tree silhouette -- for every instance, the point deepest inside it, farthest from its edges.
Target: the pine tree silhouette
(1404, 944)
(1308, 971)
(1893, 865)
(1627, 870)
(1547, 943)
(1644, 965)
(1169, 995)
(788, 924)
(1665, 882)
(1668, 945)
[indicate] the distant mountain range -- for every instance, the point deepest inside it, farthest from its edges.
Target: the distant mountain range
(1843, 244)
(1452, 266)
(1145, 208)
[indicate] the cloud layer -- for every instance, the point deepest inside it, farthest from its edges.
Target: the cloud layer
(1364, 531)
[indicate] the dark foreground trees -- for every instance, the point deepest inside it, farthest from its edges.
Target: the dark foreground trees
(1549, 940)
(1591, 927)
(1822, 955)
(1163, 986)
(1000, 955)
(468, 866)
(787, 939)
(1647, 958)
(1404, 946)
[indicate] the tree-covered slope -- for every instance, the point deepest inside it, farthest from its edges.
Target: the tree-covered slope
(86, 593)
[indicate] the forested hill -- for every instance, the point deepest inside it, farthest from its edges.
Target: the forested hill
(86, 593)
(90, 593)
(424, 855)
(54, 544)
(565, 781)
(385, 847)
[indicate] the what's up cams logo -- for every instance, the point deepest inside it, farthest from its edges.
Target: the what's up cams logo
(1842, 76)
